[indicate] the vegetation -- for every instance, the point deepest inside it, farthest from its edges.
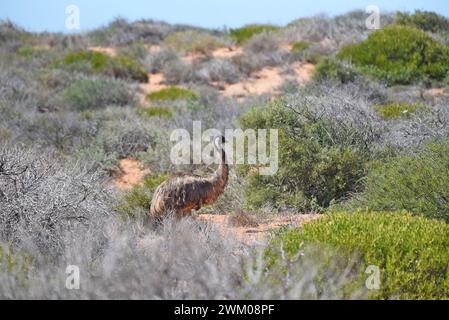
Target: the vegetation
(424, 20)
(300, 46)
(160, 112)
(400, 55)
(320, 160)
(172, 93)
(138, 198)
(416, 183)
(334, 70)
(15, 262)
(243, 34)
(399, 110)
(410, 252)
(97, 93)
(193, 41)
(348, 143)
(99, 63)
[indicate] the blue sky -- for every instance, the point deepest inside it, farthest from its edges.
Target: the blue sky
(49, 15)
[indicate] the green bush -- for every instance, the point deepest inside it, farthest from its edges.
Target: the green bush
(334, 70)
(97, 93)
(5, 134)
(27, 51)
(300, 46)
(320, 160)
(417, 183)
(138, 199)
(399, 110)
(399, 55)
(301, 51)
(136, 50)
(193, 41)
(171, 94)
(424, 20)
(15, 262)
(100, 63)
(126, 68)
(411, 252)
(160, 112)
(243, 34)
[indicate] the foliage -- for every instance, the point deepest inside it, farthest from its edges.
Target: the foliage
(334, 70)
(243, 34)
(300, 46)
(193, 41)
(97, 93)
(399, 110)
(416, 183)
(138, 199)
(99, 63)
(320, 159)
(41, 200)
(120, 32)
(411, 252)
(172, 93)
(424, 20)
(399, 55)
(159, 112)
(217, 70)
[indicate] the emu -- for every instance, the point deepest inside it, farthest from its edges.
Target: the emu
(182, 193)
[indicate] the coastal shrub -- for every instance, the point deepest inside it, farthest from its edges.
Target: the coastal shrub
(97, 93)
(243, 34)
(417, 183)
(399, 55)
(410, 252)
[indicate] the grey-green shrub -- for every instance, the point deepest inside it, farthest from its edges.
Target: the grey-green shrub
(122, 67)
(418, 183)
(424, 20)
(193, 41)
(399, 55)
(330, 69)
(97, 93)
(321, 157)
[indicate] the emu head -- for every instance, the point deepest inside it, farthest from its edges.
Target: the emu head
(219, 142)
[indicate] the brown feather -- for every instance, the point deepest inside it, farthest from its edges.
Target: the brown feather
(183, 193)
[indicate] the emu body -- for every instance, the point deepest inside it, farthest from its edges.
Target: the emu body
(183, 193)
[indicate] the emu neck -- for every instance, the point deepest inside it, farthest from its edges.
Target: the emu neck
(220, 177)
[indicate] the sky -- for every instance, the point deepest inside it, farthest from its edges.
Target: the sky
(50, 15)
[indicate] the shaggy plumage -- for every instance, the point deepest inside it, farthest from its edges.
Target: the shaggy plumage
(183, 193)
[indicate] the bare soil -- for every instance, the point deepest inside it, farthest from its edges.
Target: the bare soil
(268, 80)
(156, 83)
(106, 50)
(256, 234)
(132, 173)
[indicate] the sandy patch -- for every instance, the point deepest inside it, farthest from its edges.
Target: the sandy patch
(267, 80)
(227, 53)
(286, 46)
(303, 72)
(434, 92)
(132, 173)
(257, 234)
(42, 47)
(106, 50)
(220, 53)
(152, 48)
(190, 57)
(156, 83)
